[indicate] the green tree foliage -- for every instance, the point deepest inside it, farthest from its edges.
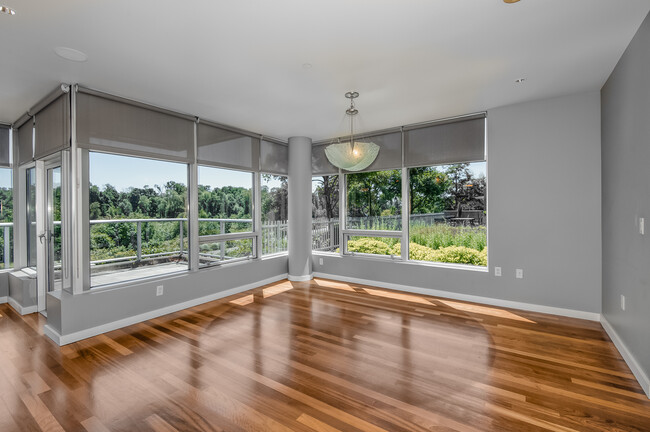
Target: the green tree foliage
(275, 199)
(374, 193)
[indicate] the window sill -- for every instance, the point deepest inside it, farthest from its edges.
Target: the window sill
(398, 261)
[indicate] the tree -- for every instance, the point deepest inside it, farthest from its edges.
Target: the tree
(326, 196)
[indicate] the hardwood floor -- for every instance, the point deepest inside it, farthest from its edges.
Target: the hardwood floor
(322, 356)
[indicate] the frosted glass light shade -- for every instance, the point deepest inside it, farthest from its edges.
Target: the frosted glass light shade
(352, 158)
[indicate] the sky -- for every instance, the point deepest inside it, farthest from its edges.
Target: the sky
(124, 172)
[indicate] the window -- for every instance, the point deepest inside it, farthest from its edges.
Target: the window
(325, 213)
(448, 220)
(6, 218)
(31, 216)
(374, 213)
(138, 223)
(225, 215)
(274, 213)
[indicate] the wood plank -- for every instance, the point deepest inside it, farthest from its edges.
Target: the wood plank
(322, 356)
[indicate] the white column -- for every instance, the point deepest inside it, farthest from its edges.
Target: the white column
(300, 209)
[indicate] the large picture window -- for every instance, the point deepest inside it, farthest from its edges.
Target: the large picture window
(448, 219)
(225, 215)
(138, 223)
(274, 213)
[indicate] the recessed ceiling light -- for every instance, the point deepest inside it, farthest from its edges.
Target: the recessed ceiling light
(6, 10)
(71, 54)
(520, 80)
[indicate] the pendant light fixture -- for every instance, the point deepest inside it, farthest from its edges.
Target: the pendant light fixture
(353, 155)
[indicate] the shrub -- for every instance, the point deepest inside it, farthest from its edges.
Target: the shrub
(370, 246)
(450, 254)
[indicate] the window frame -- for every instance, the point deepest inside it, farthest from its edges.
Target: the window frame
(256, 225)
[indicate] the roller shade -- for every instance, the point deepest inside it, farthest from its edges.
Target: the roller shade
(320, 165)
(52, 126)
(25, 145)
(4, 146)
(116, 126)
(224, 148)
(446, 143)
(274, 158)
(390, 151)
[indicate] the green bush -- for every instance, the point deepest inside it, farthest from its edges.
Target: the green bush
(450, 254)
(369, 246)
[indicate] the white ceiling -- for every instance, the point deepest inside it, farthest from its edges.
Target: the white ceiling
(239, 62)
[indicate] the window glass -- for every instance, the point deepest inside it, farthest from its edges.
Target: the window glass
(274, 213)
(138, 222)
(31, 217)
(6, 219)
(225, 207)
(325, 212)
(374, 200)
(448, 220)
(374, 245)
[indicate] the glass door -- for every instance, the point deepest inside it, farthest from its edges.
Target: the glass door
(52, 233)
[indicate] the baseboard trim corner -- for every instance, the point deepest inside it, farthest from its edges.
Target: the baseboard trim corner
(300, 278)
(631, 361)
(3, 300)
(114, 325)
(23, 310)
(571, 313)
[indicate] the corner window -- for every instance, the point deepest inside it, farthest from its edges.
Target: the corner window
(138, 222)
(274, 213)
(325, 213)
(6, 219)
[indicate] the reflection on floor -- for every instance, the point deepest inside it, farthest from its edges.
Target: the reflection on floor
(111, 277)
(322, 356)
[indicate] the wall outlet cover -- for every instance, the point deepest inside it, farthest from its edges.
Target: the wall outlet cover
(320, 261)
(519, 273)
(623, 302)
(497, 271)
(159, 290)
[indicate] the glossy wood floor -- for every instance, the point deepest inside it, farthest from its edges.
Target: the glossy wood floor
(322, 356)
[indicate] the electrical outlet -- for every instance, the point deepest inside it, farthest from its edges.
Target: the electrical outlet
(159, 290)
(623, 302)
(497, 271)
(642, 226)
(320, 261)
(519, 273)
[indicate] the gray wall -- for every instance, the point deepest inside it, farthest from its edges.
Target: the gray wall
(626, 197)
(69, 313)
(4, 284)
(544, 205)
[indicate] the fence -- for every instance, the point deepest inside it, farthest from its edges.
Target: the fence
(6, 249)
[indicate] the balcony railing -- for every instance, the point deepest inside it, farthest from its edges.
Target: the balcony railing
(6, 238)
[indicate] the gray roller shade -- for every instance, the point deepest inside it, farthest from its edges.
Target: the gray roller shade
(115, 126)
(224, 148)
(25, 143)
(52, 126)
(4, 146)
(320, 165)
(390, 151)
(446, 143)
(274, 158)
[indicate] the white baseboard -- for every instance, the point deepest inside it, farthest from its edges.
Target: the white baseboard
(300, 278)
(631, 361)
(3, 300)
(114, 325)
(20, 308)
(591, 316)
